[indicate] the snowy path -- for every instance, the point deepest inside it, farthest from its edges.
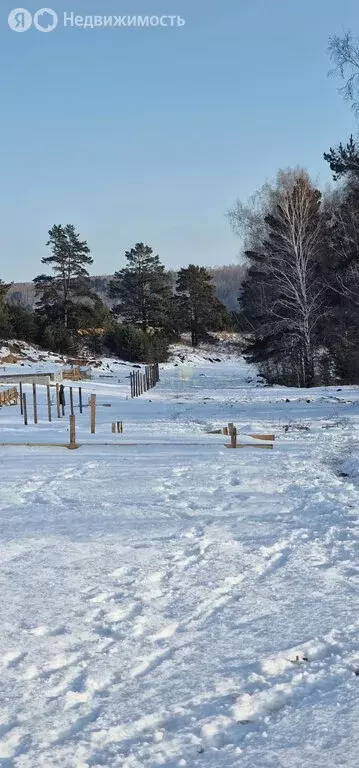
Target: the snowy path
(154, 601)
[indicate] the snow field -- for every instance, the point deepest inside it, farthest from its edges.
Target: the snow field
(175, 603)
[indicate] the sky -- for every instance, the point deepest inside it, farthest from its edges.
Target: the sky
(151, 134)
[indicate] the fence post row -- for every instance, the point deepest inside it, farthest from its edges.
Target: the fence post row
(141, 382)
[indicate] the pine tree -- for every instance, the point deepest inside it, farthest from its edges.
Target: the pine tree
(197, 304)
(341, 333)
(61, 294)
(142, 288)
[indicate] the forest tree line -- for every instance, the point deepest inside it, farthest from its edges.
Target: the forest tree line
(147, 307)
(299, 303)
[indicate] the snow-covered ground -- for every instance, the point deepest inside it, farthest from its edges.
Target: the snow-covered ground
(174, 603)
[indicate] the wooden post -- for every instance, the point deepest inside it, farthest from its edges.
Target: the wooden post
(119, 426)
(58, 401)
(80, 399)
(234, 438)
(72, 431)
(34, 399)
(93, 413)
(20, 389)
(71, 402)
(48, 401)
(24, 408)
(113, 426)
(225, 430)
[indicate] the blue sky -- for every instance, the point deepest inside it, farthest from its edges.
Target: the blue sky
(151, 134)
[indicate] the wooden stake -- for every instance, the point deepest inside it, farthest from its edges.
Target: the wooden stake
(48, 393)
(80, 399)
(119, 426)
(234, 437)
(24, 407)
(71, 402)
(225, 430)
(20, 389)
(34, 401)
(72, 432)
(113, 426)
(58, 400)
(93, 413)
(252, 445)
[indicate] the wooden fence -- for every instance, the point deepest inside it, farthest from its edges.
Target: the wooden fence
(9, 396)
(143, 381)
(64, 397)
(75, 374)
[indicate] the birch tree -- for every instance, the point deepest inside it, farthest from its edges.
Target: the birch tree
(283, 295)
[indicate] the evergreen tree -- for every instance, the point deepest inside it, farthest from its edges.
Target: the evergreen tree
(5, 321)
(142, 288)
(60, 295)
(341, 333)
(129, 342)
(198, 308)
(343, 160)
(23, 323)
